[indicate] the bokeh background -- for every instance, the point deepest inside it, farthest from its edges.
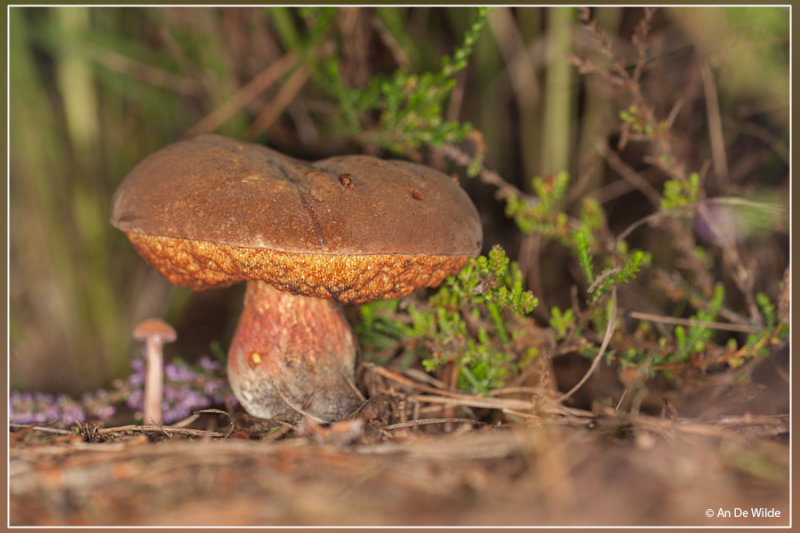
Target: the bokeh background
(93, 90)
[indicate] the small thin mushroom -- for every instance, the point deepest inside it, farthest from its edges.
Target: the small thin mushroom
(154, 333)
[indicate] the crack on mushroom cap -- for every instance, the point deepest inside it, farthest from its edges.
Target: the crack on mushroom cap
(344, 279)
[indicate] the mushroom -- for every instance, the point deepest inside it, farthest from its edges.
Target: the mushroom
(211, 211)
(154, 333)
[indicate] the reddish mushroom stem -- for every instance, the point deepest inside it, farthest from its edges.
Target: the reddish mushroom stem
(290, 352)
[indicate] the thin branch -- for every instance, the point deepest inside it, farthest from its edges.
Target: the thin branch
(632, 176)
(391, 43)
(296, 408)
(674, 283)
(145, 72)
(489, 177)
(612, 324)
(715, 128)
(482, 402)
(775, 209)
(43, 429)
(194, 416)
(696, 323)
(611, 272)
(767, 137)
(446, 397)
(652, 217)
(426, 421)
(353, 387)
(133, 428)
(247, 93)
(288, 91)
(640, 44)
(673, 113)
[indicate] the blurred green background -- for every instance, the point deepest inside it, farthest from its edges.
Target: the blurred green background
(93, 90)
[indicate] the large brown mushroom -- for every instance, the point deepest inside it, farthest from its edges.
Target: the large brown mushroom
(211, 211)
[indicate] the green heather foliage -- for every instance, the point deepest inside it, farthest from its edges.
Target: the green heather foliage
(469, 322)
(410, 106)
(561, 322)
(693, 341)
(678, 193)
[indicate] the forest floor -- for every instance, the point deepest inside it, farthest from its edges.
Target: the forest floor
(714, 456)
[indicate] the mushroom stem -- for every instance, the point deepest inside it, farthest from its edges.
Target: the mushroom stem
(291, 347)
(154, 380)
(154, 333)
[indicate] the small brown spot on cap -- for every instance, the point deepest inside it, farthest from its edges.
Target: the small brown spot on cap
(416, 194)
(346, 180)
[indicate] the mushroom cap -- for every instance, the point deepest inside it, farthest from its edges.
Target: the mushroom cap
(210, 211)
(154, 327)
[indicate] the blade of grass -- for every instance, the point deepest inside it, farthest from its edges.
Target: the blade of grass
(596, 119)
(521, 68)
(75, 78)
(559, 110)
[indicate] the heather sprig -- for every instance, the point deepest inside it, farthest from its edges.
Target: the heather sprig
(606, 260)
(476, 321)
(43, 408)
(186, 387)
(410, 107)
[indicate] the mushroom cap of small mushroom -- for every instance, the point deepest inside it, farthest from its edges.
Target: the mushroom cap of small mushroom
(154, 328)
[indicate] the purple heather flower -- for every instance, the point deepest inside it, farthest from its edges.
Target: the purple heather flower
(101, 395)
(41, 408)
(178, 373)
(186, 389)
(104, 412)
(211, 387)
(208, 364)
(136, 399)
(136, 380)
(72, 414)
(177, 413)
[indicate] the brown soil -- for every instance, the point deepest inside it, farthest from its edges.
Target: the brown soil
(723, 448)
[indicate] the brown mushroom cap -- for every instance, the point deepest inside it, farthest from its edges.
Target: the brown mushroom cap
(153, 327)
(210, 211)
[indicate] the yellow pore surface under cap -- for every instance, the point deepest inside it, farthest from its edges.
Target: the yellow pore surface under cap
(344, 279)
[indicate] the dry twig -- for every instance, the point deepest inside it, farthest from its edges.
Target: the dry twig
(166, 430)
(693, 323)
(295, 407)
(144, 72)
(246, 94)
(427, 421)
(612, 324)
(285, 95)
